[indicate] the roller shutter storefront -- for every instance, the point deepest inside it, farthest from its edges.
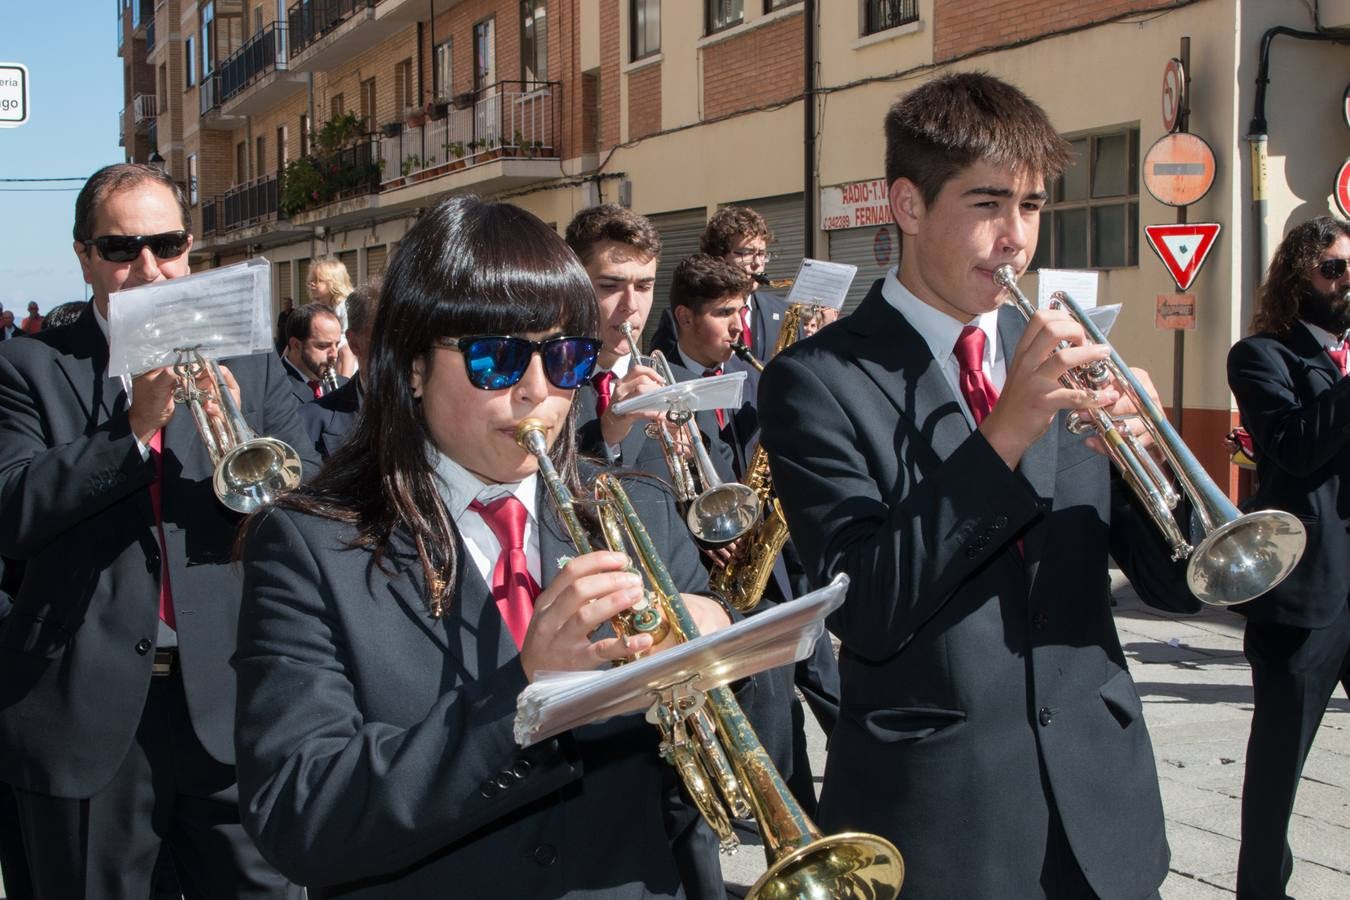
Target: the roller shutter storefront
(680, 233)
(302, 284)
(873, 250)
(348, 259)
(283, 270)
(377, 260)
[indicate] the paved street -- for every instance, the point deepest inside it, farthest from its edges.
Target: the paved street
(1197, 697)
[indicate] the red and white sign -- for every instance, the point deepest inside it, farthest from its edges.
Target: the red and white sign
(858, 204)
(1173, 93)
(1182, 248)
(1345, 105)
(1343, 189)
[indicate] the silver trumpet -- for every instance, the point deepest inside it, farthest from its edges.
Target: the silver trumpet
(716, 512)
(328, 377)
(249, 471)
(1240, 556)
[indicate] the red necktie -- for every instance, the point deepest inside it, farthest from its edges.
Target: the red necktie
(746, 336)
(1338, 356)
(316, 386)
(721, 415)
(979, 391)
(165, 591)
(513, 588)
(604, 391)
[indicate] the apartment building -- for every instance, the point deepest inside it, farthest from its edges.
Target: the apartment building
(312, 127)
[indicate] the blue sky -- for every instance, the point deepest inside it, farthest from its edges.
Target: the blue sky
(75, 91)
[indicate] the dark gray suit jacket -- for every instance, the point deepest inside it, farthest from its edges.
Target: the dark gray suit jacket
(981, 680)
(76, 651)
(766, 321)
(376, 756)
(328, 419)
(1296, 406)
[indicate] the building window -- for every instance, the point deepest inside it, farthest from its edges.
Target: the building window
(162, 88)
(403, 86)
(190, 60)
(1092, 219)
(240, 162)
(304, 135)
(259, 155)
(440, 73)
(720, 15)
(644, 20)
(771, 5)
(879, 15)
(192, 178)
(283, 147)
(368, 105)
(336, 106)
(533, 40)
(484, 54)
(208, 33)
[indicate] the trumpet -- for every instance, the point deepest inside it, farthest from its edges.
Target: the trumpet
(328, 379)
(1240, 556)
(717, 513)
(248, 470)
(711, 743)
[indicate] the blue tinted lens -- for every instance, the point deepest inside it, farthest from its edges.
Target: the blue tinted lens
(570, 361)
(497, 362)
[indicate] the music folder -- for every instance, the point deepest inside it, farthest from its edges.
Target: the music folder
(713, 392)
(559, 701)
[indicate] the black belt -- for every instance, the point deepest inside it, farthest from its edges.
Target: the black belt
(166, 661)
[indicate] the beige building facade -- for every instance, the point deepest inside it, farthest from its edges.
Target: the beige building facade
(313, 127)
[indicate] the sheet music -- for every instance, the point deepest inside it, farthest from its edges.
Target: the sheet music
(227, 311)
(821, 282)
(713, 392)
(558, 702)
(1080, 284)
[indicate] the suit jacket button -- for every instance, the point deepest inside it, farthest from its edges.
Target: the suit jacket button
(490, 789)
(544, 855)
(143, 646)
(521, 768)
(1044, 716)
(505, 779)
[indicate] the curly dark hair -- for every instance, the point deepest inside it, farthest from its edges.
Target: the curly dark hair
(611, 222)
(701, 279)
(1277, 299)
(730, 223)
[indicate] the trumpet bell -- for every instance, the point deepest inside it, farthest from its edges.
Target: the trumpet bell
(722, 514)
(254, 472)
(1245, 557)
(846, 866)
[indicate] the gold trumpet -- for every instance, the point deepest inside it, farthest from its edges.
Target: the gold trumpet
(248, 470)
(1240, 556)
(709, 740)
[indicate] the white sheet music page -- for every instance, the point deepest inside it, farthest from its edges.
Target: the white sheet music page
(225, 312)
(822, 283)
(713, 392)
(1080, 284)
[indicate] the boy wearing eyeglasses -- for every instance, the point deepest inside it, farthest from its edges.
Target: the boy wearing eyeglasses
(1289, 381)
(117, 721)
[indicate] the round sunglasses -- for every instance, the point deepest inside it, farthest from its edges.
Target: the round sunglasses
(122, 248)
(496, 362)
(1331, 269)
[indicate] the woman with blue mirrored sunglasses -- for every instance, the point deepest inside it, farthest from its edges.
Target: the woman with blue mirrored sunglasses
(494, 362)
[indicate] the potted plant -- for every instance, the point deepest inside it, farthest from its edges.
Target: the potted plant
(392, 129)
(536, 149)
(415, 116)
(411, 163)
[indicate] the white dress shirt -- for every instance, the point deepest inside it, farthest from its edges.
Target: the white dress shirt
(1325, 339)
(940, 331)
(459, 487)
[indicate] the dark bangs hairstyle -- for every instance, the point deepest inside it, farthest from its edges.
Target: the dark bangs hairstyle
(946, 125)
(468, 267)
(1289, 278)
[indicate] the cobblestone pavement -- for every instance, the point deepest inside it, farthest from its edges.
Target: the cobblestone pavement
(1198, 701)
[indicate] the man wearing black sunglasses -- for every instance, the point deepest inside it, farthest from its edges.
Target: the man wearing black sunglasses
(1288, 378)
(116, 693)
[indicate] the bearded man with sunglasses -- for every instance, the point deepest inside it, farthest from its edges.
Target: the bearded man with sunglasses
(1289, 381)
(116, 694)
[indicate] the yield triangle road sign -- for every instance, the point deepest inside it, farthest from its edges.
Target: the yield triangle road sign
(1182, 248)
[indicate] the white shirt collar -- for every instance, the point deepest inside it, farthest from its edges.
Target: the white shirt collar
(690, 363)
(459, 487)
(620, 367)
(1324, 338)
(939, 330)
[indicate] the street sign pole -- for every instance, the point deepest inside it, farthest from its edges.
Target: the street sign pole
(1179, 336)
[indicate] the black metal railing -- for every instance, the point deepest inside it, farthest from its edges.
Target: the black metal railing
(150, 37)
(315, 181)
(883, 14)
(309, 20)
(249, 204)
(261, 55)
(208, 93)
(209, 218)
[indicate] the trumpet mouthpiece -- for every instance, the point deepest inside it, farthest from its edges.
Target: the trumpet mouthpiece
(526, 431)
(1005, 276)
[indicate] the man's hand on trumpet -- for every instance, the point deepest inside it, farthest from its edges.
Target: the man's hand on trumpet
(154, 394)
(1126, 415)
(639, 380)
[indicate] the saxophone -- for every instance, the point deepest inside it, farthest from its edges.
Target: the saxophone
(743, 578)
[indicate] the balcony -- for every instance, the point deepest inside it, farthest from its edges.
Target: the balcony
(144, 110)
(326, 33)
(251, 204)
(122, 127)
(210, 219)
(150, 37)
(254, 78)
(334, 189)
(142, 13)
(508, 138)
(208, 102)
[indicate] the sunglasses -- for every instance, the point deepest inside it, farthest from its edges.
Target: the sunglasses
(1332, 269)
(121, 248)
(495, 362)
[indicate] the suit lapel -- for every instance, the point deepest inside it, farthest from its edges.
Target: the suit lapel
(84, 367)
(1301, 340)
